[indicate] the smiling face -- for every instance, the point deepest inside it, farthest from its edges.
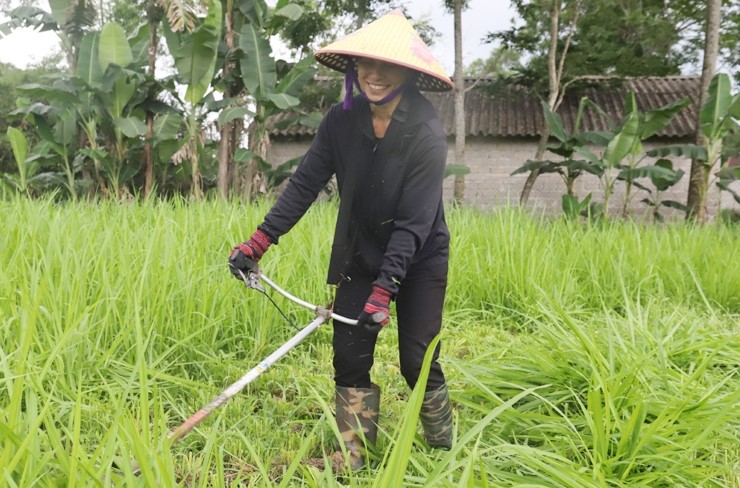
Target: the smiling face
(379, 79)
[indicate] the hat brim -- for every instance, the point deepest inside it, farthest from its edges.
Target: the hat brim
(426, 81)
(391, 39)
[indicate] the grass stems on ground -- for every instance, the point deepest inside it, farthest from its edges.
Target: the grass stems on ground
(577, 355)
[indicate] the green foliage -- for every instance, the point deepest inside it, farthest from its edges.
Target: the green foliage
(662, 176)
(574, 208)
(718, 116)
(501, 63)
(621, 160)
(319, 95)
(195, 54)
(10, 78)
(604, 355)
(456, 170)
(718, 123)
(640, 38)
(94, 123)
(7, 104)
(300, 31)
(397, 459)
(26, 169)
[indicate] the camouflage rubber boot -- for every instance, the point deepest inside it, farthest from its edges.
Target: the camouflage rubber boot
(357, 419)
(436, 418)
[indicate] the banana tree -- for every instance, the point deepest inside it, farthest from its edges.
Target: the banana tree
(231, 87)
(55, 121)
(623, 156)
(27, 16)
(114, 88)
(717, 119)
(236, 99)
(195, 55)
(638, 127)
(568, 146)
(107, 100)
(26, 169)
(120, 84)
(270, 94)
(70, 19)
(145, 46)
(663, 176)
(624, 152)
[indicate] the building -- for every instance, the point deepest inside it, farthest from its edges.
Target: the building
(503, 124)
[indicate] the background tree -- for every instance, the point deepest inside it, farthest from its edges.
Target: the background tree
(502, 63)
(457, 6)
(558, 42)
(641, 38)
(128, 15)
(729, 43)
(350, 15)
(697, 198)
(121, 138)
(692, 17)
(10, 78)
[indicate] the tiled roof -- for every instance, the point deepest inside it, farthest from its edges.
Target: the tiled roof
(512, 111)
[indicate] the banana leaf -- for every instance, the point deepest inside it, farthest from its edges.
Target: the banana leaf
(257, 66)
(717, 106)
(691, 151)
(113, 47)
(624, 141)
(554, 123)
(456, 170)
(88, 64)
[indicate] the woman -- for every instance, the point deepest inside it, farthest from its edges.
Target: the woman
(387, 149)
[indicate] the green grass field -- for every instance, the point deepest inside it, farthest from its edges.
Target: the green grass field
(601, 355)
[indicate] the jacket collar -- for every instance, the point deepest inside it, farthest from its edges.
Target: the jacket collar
(412, 110)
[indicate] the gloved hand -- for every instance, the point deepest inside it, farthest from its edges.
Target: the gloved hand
(375, 315)
(246, 255)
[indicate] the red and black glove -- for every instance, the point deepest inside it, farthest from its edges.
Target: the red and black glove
(376, 315)
(245, 256)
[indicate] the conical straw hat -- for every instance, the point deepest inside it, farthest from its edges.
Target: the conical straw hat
(392, 39)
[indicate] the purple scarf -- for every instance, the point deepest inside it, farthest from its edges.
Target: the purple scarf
(350, 81)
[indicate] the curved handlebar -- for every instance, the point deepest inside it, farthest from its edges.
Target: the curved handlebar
(252, 280)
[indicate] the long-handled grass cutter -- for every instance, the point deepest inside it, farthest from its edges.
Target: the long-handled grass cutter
(254, 279)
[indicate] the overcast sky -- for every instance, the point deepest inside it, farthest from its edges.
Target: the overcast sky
(26, 46)
(481, 17)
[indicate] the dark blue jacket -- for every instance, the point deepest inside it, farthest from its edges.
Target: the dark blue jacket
(396, 213)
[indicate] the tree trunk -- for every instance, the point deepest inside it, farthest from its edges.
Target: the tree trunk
(251, 180)
(196, 192)
(532, 177)
(699, 175)
(148, 150)
(554, 82)
(224, 158)
(227, 143)
(148, 155)
(237, 131)
(459, 189)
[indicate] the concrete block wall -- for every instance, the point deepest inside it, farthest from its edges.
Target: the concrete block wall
(490, 185)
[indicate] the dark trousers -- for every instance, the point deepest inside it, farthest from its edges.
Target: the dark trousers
(418, 317)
